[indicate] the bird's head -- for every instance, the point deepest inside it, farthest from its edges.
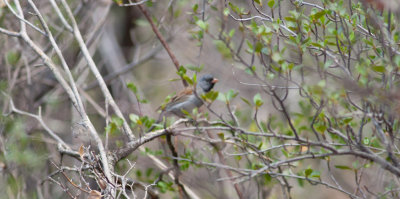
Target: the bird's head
(207, 82)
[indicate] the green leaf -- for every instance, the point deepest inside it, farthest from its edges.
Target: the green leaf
(245, 101)
(132, 87)
(187, 79)
(271, 3)
(221, 136)
(234, 8)
(231, 94)
(259, 46)
(276, 57)
(396, 60)
(315, 174)
(165, 186)
(221, 97)
(210, 96)
(133, 117)
(181, 71)
(250, 70)
(195, 8)
(366, 141)
(202, 24)
(300, 182)
(259, 2)
(226, 11)
(195, 68)
(285, 153)
(379, 69)
(13, 184)
(347, 120)
(307, 172)
(257, 100)
(343, 167)
(111, 128)
(149, 171)
(319, 14)
(13, 58)
(231, 33)
(117, 121)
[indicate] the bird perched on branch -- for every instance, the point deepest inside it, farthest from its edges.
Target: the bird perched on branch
(187, 99)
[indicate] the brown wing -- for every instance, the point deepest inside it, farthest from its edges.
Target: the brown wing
(181, 96)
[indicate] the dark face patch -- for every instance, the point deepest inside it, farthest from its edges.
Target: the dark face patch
(207, 82)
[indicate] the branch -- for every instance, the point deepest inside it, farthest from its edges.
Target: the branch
(39, 118)
(162, 40)
(93, 68)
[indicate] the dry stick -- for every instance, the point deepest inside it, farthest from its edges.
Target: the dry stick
(162, 40)
(39, 118)
(73, 94)
(176, 63)
(93, 68)
(138, 143)
(222, 159)
(60, 56)
(125, 68)
(181, 188)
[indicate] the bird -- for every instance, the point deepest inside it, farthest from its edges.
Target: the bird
(187, 99)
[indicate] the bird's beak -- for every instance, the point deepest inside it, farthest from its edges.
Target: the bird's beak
(215, 80)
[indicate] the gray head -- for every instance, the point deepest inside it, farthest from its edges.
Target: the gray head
(207, 82)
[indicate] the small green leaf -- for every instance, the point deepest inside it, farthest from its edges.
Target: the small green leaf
(195, 8)
(210, 96)
(231, 33)
(379, 69)
(250, 70)
(116, 120)
(221, 136)
(259, 46)
(149, 3)
(347, 120)
(221, 97)
(315, 174)
(300, 182)
(319, 14)
(231, 94)
(111, 128)
(202, 24)
(187, 79)
(271, 3)
(132, 87)
(226, 11)
(343, 167)
(307, 172)
(195, 68)
(234, 8)
(257, 100)
(13, 58)
(181, 71)
(133, 117)
(245, 101)
(366, 141)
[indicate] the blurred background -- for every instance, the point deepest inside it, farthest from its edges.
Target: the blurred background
(126, 50)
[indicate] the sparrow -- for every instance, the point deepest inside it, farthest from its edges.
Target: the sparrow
(188, 99)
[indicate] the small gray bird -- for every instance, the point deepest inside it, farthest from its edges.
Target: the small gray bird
(186, 99)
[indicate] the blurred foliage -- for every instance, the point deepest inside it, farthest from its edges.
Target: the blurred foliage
(323, 82)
